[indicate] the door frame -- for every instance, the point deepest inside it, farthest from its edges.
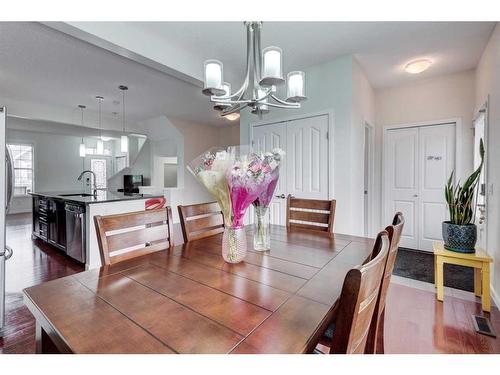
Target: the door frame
(458, 155)
(484, 108)
(371, 177)
(331, 120)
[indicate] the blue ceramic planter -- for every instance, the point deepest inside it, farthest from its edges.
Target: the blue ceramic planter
(459, 238)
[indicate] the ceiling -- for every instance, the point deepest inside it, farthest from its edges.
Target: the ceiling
(382, 48)
(41, 65)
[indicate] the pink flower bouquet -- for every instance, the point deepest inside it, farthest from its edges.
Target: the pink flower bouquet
(272, 162)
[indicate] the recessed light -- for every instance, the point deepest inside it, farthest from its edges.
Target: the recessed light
(232, 116)
(418, 66)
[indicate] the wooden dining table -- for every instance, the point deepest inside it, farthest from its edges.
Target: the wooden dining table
(187, 299)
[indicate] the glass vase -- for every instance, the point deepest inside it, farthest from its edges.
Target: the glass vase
(261, 237)
(234, 244)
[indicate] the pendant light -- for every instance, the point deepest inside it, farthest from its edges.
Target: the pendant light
(100, 143)
(82, 145)
(124, 138)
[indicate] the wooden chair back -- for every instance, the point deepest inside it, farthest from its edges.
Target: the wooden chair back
(201, 220)
(376, 337)
(311, 214)
(126, 236)
(358, 301)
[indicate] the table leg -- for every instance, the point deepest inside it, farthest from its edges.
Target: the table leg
(486, 287)
(44, 344)
(435, 271)
(477, 282)
(439, 278)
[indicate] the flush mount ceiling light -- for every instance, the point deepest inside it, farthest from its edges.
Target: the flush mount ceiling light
(418, 66)
(232, 116)
(82, 145)
(264, 71)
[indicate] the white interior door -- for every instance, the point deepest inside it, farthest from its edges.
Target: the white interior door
(304, 170)
(264, 139)
(417, 164)
(400, 181)
(307, 158)
(437, 161)
(482, 197)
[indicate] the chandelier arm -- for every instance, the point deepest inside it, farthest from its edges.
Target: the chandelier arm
(295, 105)
(233, 109)
(257, 58)
(238, 101)
(288, 105)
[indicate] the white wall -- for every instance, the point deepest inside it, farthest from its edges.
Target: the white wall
(439, 98)
(331, 87)
(363, 111)
(488, 87)
(185, 140)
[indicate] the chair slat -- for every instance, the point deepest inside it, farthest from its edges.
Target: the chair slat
(201, 209)
(140, 252)
(211, 221)
(312, 204)
(314, 217)
(137, 237)
(132, 219)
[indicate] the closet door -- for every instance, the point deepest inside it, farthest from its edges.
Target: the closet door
(417, 164)
(437, 161)
(264, 139)
(401, 181)
(307, 157)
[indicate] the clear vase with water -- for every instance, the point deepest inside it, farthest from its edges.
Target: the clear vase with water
(261, 236)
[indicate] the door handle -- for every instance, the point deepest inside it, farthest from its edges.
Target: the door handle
(415, 195)
(7, 253)
(282, 196)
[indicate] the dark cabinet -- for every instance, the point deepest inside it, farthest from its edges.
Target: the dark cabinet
(56, 217)
(49, 221)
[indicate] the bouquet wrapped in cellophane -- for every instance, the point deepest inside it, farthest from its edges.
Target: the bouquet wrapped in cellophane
(271, 162)
(236, 177)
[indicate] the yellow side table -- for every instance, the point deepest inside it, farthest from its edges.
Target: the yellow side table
(480, 261)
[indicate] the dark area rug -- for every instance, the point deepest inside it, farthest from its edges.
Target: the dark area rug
(419, 265)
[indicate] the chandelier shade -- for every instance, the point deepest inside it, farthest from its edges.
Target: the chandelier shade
(295, 90)
(272, 67)
(213, 74)
(264, 72)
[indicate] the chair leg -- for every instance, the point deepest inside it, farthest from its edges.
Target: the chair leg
(380, 334)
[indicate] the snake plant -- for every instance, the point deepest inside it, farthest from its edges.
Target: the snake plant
(460, 199)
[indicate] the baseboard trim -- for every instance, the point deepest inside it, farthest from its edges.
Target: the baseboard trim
(494, 297)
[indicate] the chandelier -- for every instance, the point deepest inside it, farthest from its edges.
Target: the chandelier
(264, 72)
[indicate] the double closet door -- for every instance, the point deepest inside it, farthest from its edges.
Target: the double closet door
(417, 164)
(304, 169)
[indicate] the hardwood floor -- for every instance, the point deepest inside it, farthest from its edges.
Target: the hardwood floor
(33, 262)
(415, 321)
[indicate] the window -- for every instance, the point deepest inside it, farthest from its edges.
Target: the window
(22, 158)
(98, 166)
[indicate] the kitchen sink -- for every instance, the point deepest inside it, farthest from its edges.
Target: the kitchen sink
(76, 195)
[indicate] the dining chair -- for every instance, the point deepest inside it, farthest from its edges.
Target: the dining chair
(375, 342)
(348, 332)
(200, 220)
(311, 214)
(126, 236)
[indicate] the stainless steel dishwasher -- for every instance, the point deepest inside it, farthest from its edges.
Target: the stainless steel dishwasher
(75, 231)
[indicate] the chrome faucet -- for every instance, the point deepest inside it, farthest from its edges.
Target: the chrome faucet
(95, 180)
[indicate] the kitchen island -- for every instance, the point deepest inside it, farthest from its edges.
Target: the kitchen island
(65, 220)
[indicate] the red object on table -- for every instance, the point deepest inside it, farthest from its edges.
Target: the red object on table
(155, 203)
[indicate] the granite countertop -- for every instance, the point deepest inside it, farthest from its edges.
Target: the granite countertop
(102, 196)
